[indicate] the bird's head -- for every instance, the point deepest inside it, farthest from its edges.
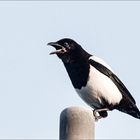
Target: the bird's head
(67, 50)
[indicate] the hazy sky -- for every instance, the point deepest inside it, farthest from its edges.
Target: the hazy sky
(35, 87)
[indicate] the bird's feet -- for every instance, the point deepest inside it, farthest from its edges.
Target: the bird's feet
(99, 111)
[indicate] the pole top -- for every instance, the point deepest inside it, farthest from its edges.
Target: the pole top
(77, 123)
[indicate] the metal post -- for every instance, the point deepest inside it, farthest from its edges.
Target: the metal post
(77, 123)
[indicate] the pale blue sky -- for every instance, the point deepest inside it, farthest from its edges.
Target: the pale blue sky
(35, 87)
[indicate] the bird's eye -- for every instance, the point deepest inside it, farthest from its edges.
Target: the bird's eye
(66, 45)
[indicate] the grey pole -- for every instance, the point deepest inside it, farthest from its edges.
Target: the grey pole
(77, 123)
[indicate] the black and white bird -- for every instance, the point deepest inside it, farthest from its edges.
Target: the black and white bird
(94, 80)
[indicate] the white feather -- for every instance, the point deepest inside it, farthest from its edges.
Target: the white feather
(101, 61)
(99, 87)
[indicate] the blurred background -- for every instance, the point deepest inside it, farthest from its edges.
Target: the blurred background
(34, 86)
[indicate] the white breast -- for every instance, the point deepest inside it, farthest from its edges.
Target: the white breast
(99, 87)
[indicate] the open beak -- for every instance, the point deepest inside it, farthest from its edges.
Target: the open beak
(59, 49)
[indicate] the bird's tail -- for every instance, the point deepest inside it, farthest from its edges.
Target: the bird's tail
(131, 110)
(134, 112)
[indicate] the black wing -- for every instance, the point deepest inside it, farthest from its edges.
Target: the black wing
(114, 78)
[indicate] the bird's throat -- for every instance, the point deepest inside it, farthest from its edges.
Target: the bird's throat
(78, 73)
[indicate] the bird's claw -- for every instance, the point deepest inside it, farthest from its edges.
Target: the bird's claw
(97, 117)
(95, 111)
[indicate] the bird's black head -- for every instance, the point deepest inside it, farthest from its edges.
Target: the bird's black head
(67, 50)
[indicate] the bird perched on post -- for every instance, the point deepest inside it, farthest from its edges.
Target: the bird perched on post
(94, 80)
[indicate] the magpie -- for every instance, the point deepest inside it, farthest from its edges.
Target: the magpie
(94, 80)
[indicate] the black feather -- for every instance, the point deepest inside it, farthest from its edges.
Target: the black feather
(114, 78)
(127, 104)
